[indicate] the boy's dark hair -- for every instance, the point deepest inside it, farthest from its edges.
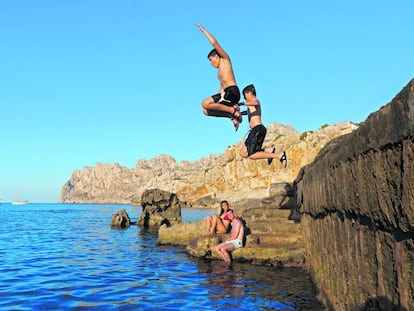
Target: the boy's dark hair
(250, 89)
(213, 52)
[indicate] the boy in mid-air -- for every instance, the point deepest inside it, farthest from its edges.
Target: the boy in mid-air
(252, 148)
(225, 102)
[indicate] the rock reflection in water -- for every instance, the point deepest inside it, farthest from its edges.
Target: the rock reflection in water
(240, 285)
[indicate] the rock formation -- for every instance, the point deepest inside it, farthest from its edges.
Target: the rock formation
(159, 207)
(357, 205)
(206, 181)
(271, 238)
(121, 219)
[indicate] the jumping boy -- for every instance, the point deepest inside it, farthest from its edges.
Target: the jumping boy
(252, 148)
(225, 102)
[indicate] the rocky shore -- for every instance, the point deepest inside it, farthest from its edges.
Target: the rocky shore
(273, 237)
(343, 208)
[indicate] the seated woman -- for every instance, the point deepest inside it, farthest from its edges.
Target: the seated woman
(219, 223)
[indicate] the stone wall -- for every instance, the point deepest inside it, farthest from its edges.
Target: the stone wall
(357, 205)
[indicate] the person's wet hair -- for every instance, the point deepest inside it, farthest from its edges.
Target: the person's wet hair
(249, 89)
(213, 52)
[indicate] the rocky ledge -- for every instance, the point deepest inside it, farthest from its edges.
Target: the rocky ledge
(272, 236)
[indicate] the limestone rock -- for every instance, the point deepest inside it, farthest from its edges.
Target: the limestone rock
(206, 181)
(120, 219)
(271, 239)
(181, 234)
(203, 246)
(159, 207)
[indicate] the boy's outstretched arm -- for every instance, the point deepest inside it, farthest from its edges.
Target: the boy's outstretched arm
(252, 102)
(214, 42)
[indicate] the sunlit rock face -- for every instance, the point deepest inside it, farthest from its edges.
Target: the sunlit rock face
(357, 205)
(203, 183)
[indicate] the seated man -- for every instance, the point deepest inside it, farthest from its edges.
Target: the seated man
(234, 240)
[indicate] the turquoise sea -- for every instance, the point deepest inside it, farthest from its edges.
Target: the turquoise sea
(67, 257)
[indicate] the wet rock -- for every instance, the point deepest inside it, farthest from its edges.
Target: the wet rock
(120, 219)
(181, 234)
(203, 246)
(271, 239)
(158, 208)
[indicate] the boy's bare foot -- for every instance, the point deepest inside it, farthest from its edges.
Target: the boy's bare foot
(236, 117)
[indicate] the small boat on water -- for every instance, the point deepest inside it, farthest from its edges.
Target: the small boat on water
(19, 202)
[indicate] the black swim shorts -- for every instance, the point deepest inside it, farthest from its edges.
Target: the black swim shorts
(230, 96)
(255, 139)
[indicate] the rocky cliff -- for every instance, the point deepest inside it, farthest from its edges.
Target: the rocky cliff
(357, 205)
(200, 182)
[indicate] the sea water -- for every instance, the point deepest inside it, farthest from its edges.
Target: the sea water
(67, 257)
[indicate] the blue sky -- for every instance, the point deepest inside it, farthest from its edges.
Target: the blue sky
(87, 81)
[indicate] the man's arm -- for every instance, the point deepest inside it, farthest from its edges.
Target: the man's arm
(214, 42)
